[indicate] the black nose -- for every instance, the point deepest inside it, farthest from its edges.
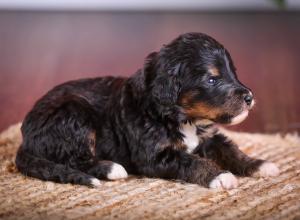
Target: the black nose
(248, 99)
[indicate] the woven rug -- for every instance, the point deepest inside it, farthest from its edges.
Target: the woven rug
(143, 198)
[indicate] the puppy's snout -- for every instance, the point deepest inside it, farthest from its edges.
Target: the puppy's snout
(245, 94)
(248, 98)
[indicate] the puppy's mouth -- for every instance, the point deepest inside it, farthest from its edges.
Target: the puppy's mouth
(233, 117)
(242, 115)
(239, 118)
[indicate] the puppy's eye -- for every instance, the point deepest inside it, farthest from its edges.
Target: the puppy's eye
(212, 81)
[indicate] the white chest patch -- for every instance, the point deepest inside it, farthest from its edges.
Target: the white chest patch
(191, 140)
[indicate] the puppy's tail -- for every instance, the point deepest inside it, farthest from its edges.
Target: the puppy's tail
(43, 169)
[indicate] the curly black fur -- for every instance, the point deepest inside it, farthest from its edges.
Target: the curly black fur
(79, 129)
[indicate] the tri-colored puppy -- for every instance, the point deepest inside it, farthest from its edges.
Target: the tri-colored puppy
(157, 123)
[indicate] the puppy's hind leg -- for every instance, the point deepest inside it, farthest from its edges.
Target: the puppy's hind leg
(108, 170)
(44, 169)
(58, 145)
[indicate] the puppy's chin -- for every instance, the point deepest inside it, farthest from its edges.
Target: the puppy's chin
(239, 118)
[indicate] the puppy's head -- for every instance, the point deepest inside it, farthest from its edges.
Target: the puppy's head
(196, 73)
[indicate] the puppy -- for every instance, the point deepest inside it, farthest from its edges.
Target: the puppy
(158, 123)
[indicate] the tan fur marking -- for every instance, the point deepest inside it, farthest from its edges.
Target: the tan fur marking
(186, 99)
(213, 71)
(203, 110)
(92, 142)
(179, 145)
(198, 109)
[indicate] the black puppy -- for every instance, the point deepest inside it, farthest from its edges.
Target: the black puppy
(157, 123)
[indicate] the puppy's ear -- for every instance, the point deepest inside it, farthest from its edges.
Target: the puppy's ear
(165, 89)
(163, 79)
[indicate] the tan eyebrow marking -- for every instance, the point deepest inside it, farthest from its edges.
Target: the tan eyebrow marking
(213, 71)
(92, 142)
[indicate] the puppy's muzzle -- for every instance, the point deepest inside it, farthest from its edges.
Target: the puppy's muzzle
(248, 104)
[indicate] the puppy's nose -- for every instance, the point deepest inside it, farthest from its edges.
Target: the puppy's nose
(248, 99)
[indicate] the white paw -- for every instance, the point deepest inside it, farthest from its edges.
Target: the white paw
(95, 182)
(225, 181)
(117, 172)
(268, 169)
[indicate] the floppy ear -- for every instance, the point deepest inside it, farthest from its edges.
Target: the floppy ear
(163, 79)
(165, 89)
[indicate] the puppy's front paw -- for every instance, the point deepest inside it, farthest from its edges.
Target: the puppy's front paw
(225, 181)
(267, 169)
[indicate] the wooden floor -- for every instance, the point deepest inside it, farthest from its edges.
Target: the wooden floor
(41, 49)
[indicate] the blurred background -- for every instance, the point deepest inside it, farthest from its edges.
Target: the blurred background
(44, 43)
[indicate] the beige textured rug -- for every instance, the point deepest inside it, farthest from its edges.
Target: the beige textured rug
(143, 198)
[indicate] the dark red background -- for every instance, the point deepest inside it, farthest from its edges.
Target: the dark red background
(41, 49)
